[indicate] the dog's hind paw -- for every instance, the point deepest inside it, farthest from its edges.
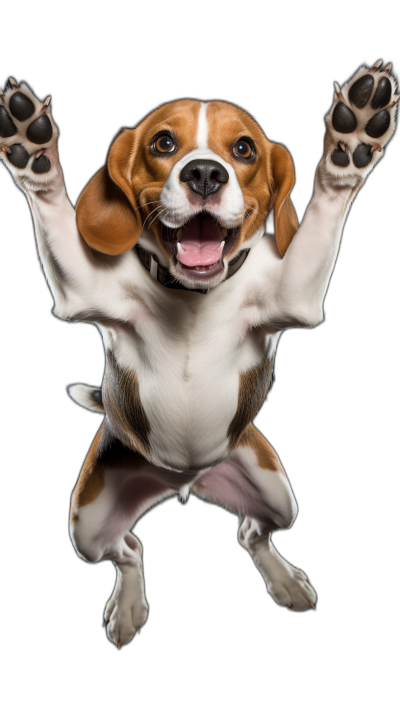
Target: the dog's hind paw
(28, 137)
(288, 586)
(359, 124)
(126, 611)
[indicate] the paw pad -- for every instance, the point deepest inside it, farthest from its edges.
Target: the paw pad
(377, 126)
(18, 156)
(360, 91)
(41, 165)
(340, 157)
(343, 119)
(27, 120)
(21, 106)
(362, 156)
(7, 126)
(364, 109)
(382, 95)
(40, 131)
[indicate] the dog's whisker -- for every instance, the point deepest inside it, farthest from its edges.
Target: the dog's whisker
(158, 216)
(256, 210)
(150, 214)
(142, 205)
(172, 281)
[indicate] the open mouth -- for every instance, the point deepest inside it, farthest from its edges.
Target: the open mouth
(200, 246)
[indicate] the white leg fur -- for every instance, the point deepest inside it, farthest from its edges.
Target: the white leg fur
(127, 609)
(288, 585)
(242, 486)
(101, 524)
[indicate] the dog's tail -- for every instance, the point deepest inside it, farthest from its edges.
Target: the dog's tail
(86, 396)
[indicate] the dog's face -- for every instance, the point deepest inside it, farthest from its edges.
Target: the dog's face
(200, 178)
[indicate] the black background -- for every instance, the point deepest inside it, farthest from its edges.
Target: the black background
(329, 413)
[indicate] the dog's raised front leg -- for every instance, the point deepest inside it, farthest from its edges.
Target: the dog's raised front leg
(360, 123)
(252, 483)
(28, 142)
(115, 487)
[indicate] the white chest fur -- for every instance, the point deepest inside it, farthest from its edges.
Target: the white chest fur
(187, 351)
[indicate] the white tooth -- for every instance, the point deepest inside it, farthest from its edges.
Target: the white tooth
(179, 248)
(224, 231)
(222, 245)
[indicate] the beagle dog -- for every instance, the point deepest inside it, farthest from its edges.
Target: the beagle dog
(167, 254)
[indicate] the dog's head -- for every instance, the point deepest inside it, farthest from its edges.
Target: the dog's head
(200, 179)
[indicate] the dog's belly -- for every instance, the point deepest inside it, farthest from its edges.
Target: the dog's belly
(176, 397)
(189, 416)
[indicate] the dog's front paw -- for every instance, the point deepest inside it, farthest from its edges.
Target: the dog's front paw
(359, 124)
(28, 137)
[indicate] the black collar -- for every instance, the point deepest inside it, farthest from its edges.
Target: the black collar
(162, 275)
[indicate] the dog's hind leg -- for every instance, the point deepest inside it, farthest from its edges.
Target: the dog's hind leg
(252, 483)
(115, 487)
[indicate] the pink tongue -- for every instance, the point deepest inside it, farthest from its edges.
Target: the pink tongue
(201, 242)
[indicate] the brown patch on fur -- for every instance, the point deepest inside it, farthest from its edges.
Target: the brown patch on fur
(121, 400)
(105, 452)
(285, 217)
(91, 479)
(253, 389)
(267, 457)
(111, 209)
(266, 182)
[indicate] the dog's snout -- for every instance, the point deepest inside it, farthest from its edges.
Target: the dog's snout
(204, 176)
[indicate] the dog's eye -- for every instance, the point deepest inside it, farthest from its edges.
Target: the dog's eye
(244, 149)
(164, 144)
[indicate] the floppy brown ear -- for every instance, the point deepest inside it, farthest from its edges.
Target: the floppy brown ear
(286, 223)
(106, 211)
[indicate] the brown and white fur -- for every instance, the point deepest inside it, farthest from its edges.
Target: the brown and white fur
(186, 372)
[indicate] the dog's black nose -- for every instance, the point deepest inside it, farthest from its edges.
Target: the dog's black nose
(204, 176)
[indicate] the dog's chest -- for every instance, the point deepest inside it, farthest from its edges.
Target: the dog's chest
(175, 376)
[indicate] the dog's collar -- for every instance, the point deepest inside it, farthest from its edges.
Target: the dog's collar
(162, 275)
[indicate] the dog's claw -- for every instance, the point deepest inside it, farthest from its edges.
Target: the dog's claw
(11, 83)
(394, 100)
(105, 622)
(46, 104)
(338, 91)
(39, 153)
(388, 67)
(376, 147)
(376, 66)
(342, 145)
(119, 644)
(6, 149)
